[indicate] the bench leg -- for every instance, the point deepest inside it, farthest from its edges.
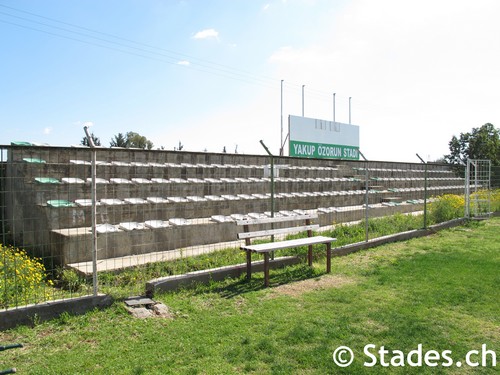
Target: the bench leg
(310, 255)
(328, 257)
(266, 269)
(249, 265)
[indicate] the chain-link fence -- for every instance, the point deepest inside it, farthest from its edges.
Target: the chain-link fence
(157, 209)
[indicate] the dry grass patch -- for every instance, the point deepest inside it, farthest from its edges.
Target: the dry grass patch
(297, 288)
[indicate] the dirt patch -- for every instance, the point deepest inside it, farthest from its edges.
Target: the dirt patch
(298, 288)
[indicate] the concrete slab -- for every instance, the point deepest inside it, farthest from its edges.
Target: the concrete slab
(156, 224)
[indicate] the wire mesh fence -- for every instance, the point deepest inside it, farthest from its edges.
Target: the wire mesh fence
(156, 210)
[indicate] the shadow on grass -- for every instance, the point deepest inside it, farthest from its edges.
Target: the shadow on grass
(231, 288)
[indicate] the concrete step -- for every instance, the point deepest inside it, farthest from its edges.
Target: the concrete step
(391, 200)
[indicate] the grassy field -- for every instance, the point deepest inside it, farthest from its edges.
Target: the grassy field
(440, 291)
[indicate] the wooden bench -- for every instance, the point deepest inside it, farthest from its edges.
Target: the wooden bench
(266, 248)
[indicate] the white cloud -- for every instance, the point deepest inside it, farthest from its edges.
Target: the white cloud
(47, 130)
(207, 34)
(184, 63)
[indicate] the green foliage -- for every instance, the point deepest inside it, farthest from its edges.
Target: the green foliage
(447, 207)
(377, 227)
(480, 143)
(450, 206)
(479, 199)
(70, 280)
(495, 200)
(118, 140)
(346, 234)
(131, 140)
(85, 141)
(22, 278)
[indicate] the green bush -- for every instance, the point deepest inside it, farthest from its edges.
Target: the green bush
(447, 207)
(22, 278)
(495, 200)
(479, 198)
(377, 227)
(70, 280)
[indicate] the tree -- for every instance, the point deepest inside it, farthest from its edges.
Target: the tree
(135, 140)
(131, 140)
(118, 141)
(480, 143)
(85, 141)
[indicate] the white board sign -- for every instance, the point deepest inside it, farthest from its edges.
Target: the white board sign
(322, 139)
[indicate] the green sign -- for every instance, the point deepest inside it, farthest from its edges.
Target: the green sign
(323, 151)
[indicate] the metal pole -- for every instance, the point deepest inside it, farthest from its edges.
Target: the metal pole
(467, 189)
(489, 188)
(281, 142)
(94, 212)
(366, 195)
(272, 176)
(334, 107)
(425, 191)
(350, 110)
(272, 187)
(303, 100)
(475, 163)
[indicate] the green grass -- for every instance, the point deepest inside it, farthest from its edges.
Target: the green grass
(439, 291)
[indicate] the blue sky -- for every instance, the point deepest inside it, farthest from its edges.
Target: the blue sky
(208, 73)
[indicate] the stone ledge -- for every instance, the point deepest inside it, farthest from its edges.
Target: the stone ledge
(171, 283)
(29, 314)
(404, 236)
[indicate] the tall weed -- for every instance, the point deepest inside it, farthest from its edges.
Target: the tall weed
(22, 278)
(447, 207)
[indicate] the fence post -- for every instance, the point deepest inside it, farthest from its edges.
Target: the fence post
(272, 188)
(272, 176)
(467, 190)
(366, 195)
(94, 212)
(425, 190)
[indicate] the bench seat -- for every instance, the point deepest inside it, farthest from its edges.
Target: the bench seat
(269, 247)
(273, 246)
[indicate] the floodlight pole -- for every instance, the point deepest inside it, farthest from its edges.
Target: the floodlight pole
(281, 142)
(425, 190)
(350, 110)
(94, 211)
(303, 100)
(366, 195)
(334, 106)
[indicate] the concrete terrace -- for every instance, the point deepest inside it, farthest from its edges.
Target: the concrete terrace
(152, 205)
